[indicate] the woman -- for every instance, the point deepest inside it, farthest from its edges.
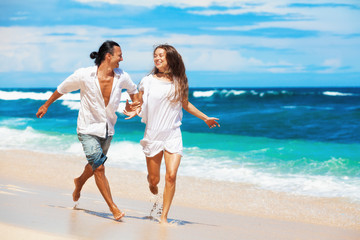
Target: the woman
(164, 93)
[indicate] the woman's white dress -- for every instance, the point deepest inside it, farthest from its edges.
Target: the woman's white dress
(161, 116)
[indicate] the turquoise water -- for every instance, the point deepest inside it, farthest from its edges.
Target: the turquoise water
(301, 141)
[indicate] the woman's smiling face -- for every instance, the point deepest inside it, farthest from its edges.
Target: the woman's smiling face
(160, 60)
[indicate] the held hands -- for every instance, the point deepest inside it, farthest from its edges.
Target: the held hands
(131, 110)
(211, 122)
(41, 112)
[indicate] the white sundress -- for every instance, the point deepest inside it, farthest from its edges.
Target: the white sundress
(161, 116)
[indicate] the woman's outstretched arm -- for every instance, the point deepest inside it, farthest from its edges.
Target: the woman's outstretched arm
(210, 121)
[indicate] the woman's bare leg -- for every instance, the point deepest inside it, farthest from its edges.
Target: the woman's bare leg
(153, 166)
(172, 162)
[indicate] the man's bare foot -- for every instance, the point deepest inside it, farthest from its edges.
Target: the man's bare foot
(117, 213)
(76, 193)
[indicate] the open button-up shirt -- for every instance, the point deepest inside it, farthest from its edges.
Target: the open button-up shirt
(93, 115)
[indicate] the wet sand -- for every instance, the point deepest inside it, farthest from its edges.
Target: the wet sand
(36, 202)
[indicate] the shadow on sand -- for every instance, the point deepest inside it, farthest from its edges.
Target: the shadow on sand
(150, 218)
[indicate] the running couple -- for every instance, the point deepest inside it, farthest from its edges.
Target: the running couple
(159, 102)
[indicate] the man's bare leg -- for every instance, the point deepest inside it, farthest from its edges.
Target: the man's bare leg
(172, 162)
(80, 181)
(103, 185)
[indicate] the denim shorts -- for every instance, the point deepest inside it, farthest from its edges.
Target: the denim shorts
(95, 149)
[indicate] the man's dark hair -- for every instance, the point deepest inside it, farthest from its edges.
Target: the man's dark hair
(106, 47)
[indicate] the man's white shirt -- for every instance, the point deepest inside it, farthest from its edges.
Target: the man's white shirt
(93, 115)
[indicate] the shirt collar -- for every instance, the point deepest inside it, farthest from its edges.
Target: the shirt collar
(93, 71)
(117, 72)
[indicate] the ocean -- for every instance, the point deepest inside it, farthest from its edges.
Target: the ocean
(303, 141)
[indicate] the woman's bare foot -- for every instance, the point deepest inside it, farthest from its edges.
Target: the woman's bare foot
(164, 221)
(76, 193)
(153, 189)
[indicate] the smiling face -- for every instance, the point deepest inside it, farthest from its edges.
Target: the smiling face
(116, 57)
(160, 60)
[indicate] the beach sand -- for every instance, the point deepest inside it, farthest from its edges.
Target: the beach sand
(36, 203)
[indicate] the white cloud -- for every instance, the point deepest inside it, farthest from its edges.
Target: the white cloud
(331, 65)
(339, 20)
(18, 18)
(261, 7)
(224, 53)
(66, 48)
(208, 59)
(63, 49)
(177, 3)
(232, 61)
(248, 5)
(334, 16)
(53, 49)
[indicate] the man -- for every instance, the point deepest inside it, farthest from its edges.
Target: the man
(100, 92)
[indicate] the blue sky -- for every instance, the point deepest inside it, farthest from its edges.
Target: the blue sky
(224, 43)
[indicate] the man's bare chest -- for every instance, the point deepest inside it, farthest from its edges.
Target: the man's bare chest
(106, 87)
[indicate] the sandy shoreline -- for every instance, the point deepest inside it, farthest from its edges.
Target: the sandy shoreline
(202, 209)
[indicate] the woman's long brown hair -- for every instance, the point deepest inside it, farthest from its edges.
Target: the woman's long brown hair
(176, 72)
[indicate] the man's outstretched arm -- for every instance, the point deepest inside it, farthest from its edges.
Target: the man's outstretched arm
(43, 109)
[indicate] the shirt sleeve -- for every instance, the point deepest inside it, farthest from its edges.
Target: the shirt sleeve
(144, 87)
(129, 85)
(70, 84)
(143, 84)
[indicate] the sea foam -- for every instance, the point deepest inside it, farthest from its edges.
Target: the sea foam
(330, 93)
(225, 169)
(203, 93)
(303, 177)
(30, 139)
(16, 95)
